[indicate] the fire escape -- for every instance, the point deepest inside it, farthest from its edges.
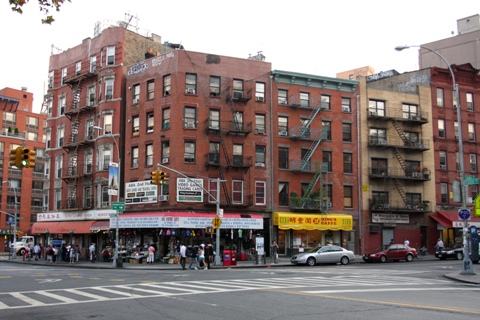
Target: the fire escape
(79, 171)
(316, 135)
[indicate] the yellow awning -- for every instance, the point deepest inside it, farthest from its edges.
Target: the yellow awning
(312, 221)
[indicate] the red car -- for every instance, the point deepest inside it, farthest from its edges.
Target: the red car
(391, 252)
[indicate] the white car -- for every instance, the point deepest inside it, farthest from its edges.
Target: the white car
(324, 255)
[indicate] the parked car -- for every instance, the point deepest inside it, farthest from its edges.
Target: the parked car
(454, 252)
(391, 252)
(324, 255)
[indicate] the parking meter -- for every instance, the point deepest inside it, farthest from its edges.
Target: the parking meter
(474, 243)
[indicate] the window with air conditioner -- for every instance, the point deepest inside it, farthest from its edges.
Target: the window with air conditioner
(165, 160)
(163, 197)
(259, 99)
(260, 164)
(237, 95)
(283, 133)
(190, 91)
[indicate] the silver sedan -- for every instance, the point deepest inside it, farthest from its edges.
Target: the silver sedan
(324, 255)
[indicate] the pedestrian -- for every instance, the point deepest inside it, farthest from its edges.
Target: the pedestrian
(201, 257)
(49, 254)
(72, 254)
(28, 253)
(36, 251)
(193, 251)
(63, 252)
(91, 250)
(77, 252)
(391, 241)
(57, 256)
(183, 255)
(439, 245)
(274, 252)
(209, 254)
(151, 255)
(406, 242)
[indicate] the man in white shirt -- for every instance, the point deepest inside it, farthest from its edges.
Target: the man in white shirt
(183, 256)
(406, 242)
(91, 249)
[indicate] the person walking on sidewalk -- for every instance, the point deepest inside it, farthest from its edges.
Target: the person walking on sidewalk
(274, 252)
(193, 252)
(151, 255)
(36, 251)
(93, 255)
(183, 255)
(201, 257)
(209, 254)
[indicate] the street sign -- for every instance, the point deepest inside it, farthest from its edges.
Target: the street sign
(469, 180)
(216, 222)
(119, 206)
(464, 214)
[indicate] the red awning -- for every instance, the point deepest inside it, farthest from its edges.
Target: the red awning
(64, 227)
(100, 225)
(441, 220)
(448, 218)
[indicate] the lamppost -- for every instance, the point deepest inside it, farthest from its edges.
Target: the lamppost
(467, 263)
(14, 253)
(115, 254)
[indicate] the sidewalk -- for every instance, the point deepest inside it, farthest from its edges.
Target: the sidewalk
(282, 262)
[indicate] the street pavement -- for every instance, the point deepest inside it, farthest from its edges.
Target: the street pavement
(282, 262)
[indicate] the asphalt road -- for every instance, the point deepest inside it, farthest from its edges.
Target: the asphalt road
(361, 291)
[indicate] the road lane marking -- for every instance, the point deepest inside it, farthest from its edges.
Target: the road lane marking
(30, 301)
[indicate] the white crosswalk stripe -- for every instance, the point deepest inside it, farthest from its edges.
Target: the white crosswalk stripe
(314, 284)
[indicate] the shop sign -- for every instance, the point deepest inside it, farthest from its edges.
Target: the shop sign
(189, 190)
(459, 224)
(140, 192)
(75, 215)
(390, 218)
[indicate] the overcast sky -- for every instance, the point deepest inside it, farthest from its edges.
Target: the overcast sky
(308, 36)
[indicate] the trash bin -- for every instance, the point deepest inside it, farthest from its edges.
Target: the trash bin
(119, 263)
(234, 257)
(227, 258)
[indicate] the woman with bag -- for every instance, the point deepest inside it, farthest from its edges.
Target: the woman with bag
(274, 252)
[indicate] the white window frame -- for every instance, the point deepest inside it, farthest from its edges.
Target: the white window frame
(235, 184)
(263, 185)
(110, 56)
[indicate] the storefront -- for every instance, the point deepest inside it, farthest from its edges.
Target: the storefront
(450, 226)
(300, 231)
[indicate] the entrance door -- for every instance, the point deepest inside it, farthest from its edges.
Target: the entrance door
(387, 235)
(282, 241)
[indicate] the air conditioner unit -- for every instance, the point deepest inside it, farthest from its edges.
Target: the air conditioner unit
(373, 113)
(260, 164)
(282, 101)
(45, 209)
(443, 167)
(283, 133)
(190, 90)
(345, 109)
(237, 95)
(165, 160)
(382, 141)
(136, 100)
(374, 228)
(163, 197)
(190, 125)
(105, 204)
(259, 99)
(259, 131)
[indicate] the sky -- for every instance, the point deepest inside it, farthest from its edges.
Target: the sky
(307, 36)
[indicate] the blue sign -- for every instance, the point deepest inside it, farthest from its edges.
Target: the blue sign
(464, 214)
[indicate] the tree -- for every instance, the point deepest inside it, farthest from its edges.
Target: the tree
(45, 7)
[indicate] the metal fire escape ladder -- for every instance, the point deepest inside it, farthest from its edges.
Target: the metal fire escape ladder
(310, 187)
(400, 159)
(399, 130)
(316, 142)
(400, 190)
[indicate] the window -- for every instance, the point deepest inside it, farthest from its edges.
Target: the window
(444, 192)
(50, 79)
(64, 76)
(347, 163)
(108, 89)
(110, 55)
(260, 152)
(212, 188)
(107, 123)
(283, 158)
(78, 67)
(469, 98)
(412, 138)
(150, 122)
(105, 197)
(348, 197)
(283, 194)
(165, 151)
(134, 157)
(326, 130)
(33, 136)
(149, 155)
(455, 127)
(325, 102)
(347, 132)
(91, 96)
(136, 93)
(191, 83)
(58, 199)
(260, 193)
(214, 86)
(214, 153)
(376, 108)
(237, 192)
(32, 122)
(60, 136)
(454, 99)
(282, 97)
(166, 118)
(237, 89)
(346, 105)
(59, 166)
(238, 155)
(93, 64)
(167, 85)
(473, 162)
(238, 121)
(441, 128)
(190, 117)
(471, 131)
(189, 151)
(61, 105)
(380, 199)
(150, 89)
(304, 99)
(48, 138)
(260, 92)
(214, 120)
(442, 155)
(135, 125)
(104, 158)
(260, 124)
(283, 126)
(327, 160)
(413, 200)
(379, 166)
(410, 111)
(474, 189)
(440, 99)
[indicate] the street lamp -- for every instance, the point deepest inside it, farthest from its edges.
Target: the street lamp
(115, 255)
(14, 253)
(467, 263)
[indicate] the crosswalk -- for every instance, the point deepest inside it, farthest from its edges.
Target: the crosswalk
(42, 298)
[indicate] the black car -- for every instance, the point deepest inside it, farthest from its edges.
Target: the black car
(454, 252)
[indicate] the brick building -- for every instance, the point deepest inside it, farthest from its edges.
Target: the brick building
(20, 127)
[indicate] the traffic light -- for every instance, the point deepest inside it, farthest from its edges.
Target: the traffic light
(16, 157)
(155, 177)
(28, 158)
(162, 178)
